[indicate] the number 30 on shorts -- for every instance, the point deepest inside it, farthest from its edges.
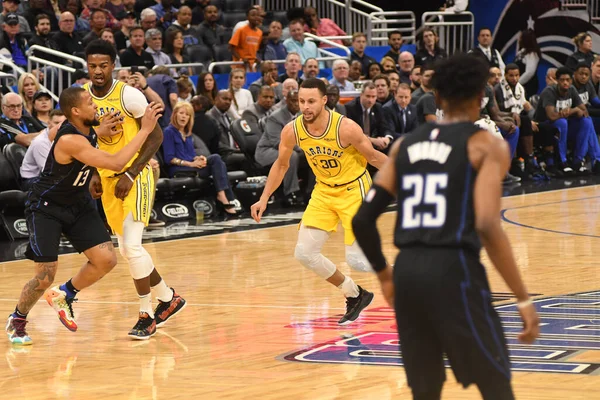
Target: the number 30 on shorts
(425, 191)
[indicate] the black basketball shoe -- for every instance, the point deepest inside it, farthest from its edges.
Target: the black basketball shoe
(354, 305)
(144, 328)
(166, 309)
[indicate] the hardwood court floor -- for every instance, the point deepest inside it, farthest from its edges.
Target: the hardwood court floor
(250, 303)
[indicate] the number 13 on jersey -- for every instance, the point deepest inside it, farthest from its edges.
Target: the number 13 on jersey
(425, 191)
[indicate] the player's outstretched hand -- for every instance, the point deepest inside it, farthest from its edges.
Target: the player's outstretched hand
(531, 324)
(151, 116)
(258, 209)
(108, 125)
(386, 279)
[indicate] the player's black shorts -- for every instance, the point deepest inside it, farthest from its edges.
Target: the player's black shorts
(80, 223)
(443, 307)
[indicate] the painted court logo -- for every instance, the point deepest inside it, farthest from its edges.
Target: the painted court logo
(569, 338)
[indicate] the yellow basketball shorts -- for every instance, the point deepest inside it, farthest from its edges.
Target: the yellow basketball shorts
(330, 205)
(138, 202)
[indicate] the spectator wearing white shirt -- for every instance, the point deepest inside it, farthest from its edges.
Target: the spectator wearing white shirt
(341, 69)
(528, 59)
(455, 6)
(37, 152)
(242, 98)
(154, 42)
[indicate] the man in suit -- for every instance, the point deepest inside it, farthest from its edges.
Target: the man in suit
(259, 111)
(205, 127)
(333, 100)
(267, 148)
(400, 115)
(368, 114)
(228, 148)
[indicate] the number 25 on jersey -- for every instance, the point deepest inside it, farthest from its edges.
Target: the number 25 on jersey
(425, 191)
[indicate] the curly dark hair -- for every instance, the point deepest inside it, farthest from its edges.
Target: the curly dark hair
(460, 77)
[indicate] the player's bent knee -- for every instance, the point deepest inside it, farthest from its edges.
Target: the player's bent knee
(314, 261)
(140, 262)
(358, 262)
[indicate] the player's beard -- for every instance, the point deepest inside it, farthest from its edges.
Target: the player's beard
(313, 119)
(91, 122)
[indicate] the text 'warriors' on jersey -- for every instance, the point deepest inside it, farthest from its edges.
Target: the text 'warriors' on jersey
(332, 164)
(128, 103)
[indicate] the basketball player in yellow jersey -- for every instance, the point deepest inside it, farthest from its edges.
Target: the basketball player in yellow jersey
(127, 196)
(337, 151)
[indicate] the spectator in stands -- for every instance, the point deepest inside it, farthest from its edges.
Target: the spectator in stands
(267, 148)
(228, 148)
(395, 41)
(333, 99)
(205, 127)
(154, 47)
(211, 33)
(374, 70)
(455, 6)
(80, 78)
(561, 106)
(37, 7)
(429, 48)
(292, 14)
(495, 76)
(175, 49)
(551, 77)
(510, 97)
(12, 6)
(394, 78)
(382, 84)
(296, 43)
(282, 90)
(27, 86)
(584, 53)
(368, 114)
(425, 87)
(274, 49)
(356, 71)
(97, 24)
(13, 43)
(340, 76)
(135, 54)
(415, 78)
(91, 5)
(292, 68)
(185, 89)
(261, 109)
(165, 12)
(107, 35)
(596, 74)
(485, 50)
(528, 59)
(359, 43)
(242, 98)
(81, 26)
(310, 69)
(245, 41)
(148, 19)
(388, 64)
(127, 20)
(115, 7)
(42, 105)
(323, 27)
(427, 110)
(206, 86)
(400, 115)
(37, 153)
(181, 159)
(14, 126)
(165, 86)
(42, 38)
(269, 77)
(246, 22)
(406, 61)
(191, 34)
(67, 40)
(199, 11)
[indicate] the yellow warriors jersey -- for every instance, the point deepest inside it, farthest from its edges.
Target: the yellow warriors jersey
(333, 164)
(127, 102)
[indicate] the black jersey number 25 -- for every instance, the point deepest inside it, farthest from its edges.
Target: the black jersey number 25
(424, 190)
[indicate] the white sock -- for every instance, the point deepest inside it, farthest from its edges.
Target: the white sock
(146, 304)
(162, 291)
(349, 288)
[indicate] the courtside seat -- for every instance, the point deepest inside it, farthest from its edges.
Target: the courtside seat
(236, 176)
(14, 154)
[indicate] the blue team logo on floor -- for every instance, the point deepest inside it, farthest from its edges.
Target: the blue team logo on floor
(569, 339)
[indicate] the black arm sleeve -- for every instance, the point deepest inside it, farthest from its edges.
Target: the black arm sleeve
(364, 225)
